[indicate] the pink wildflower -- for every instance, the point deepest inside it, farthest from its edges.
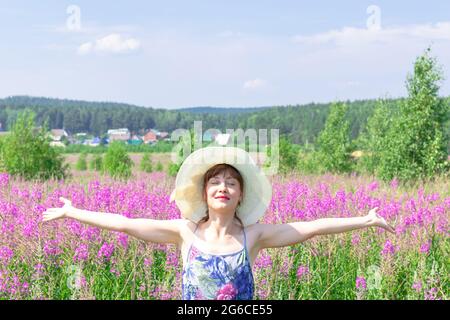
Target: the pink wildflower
(6, 254)
(302, 271)
(388, 248)
(425, 248)
(81, 253)
(361, 283)
(417, 286)
(106, 251)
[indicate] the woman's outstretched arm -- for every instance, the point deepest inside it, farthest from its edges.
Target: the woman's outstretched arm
(158, 231)
(281, 235)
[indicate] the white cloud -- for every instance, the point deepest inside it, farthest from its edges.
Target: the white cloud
(356, 36)
(254, 84)
(85, 48)
(113, 43)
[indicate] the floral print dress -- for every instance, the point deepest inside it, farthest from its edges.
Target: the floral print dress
(217, 276)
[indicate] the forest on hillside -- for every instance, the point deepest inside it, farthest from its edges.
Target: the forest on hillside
(300, 123)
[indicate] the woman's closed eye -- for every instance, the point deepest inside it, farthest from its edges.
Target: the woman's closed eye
(229, 183)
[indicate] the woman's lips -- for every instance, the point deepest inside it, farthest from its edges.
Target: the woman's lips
(222, 198)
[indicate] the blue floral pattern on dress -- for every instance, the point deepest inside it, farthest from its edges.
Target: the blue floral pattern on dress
(219, 277)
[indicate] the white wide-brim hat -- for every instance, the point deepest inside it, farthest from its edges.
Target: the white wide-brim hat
(188, 192)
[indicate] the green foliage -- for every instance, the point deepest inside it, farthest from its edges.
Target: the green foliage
(159, 167)
(96, 163)
(373, 140)
(172, 170)
(26, 152)
(334, 141)
(308, 162)
(416, 144)
(117, 163)
(146, 163)
(160, 146)
(287, 155)
(81, 164)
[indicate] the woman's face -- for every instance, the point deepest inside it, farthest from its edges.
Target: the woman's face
(223, 192)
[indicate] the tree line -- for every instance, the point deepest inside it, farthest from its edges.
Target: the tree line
(300, 123)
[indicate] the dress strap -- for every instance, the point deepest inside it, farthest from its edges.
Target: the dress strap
(245, 242)
(196, 229)
(190, 246)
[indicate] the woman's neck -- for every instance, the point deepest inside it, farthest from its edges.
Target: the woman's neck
(219, 226)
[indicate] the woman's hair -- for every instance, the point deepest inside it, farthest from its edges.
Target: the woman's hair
(216, 170)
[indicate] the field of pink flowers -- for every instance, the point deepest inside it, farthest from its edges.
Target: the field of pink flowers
(67, 260)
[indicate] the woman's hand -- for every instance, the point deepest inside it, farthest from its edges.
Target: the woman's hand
(376, 220)
(58, 213)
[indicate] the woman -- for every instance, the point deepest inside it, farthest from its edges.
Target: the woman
(221, 195)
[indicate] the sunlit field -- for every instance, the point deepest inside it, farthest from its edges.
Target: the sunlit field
(67, 260)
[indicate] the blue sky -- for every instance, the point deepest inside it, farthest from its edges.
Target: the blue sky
(175, 54)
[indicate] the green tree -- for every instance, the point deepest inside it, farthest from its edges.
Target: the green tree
(159, 167)
(373, 140)
(334, 141)
(81, 164)
(416, 146)
(117, 163)
(26, 152)
(146, 163)
(96, 163)
(287, 155)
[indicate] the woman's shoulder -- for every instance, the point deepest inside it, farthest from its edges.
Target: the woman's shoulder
(254, 229)
(186, 225)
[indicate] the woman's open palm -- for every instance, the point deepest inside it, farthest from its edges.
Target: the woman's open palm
(57, 213)
(378, 221)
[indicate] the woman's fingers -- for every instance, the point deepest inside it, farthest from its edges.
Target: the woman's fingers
(66, 201)
(392, 229)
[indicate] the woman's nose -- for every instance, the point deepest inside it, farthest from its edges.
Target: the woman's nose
(222, 186)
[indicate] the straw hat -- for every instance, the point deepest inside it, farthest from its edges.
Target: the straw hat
(188, 192)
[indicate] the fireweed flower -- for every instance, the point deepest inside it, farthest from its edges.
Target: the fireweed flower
(51, 248)
(417, 286)
(356, 239)
(6, 254)
(302, 272)
(172, 259)
(30, 229)
(39, 268)
(431, 294)
(361, 283)
(106, 251)
(388, 248)
(122, 239)
(373, 186)
(263, 261)
(284, 269)
(425, 248)
(4, 179)
(81, 253)
(394, 183)
(148, 262)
